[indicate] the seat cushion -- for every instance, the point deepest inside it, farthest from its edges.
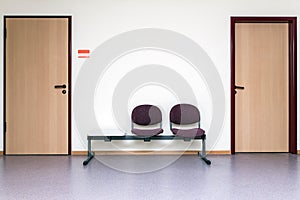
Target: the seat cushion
(147, 132)
(189, 133)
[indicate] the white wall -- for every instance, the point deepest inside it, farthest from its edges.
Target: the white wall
(205, 22)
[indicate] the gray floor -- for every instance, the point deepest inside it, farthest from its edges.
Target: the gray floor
(242, 176)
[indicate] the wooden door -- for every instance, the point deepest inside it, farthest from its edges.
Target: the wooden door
(262, 108)
(36, 59)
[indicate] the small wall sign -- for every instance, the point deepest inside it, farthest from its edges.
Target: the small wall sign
(83, 53)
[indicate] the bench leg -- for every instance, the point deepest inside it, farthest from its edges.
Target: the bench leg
(203, 153)
(90, 154)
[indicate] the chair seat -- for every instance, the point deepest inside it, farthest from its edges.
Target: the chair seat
(189, 133)
(147, 132)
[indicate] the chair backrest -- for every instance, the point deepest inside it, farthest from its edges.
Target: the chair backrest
(184, 114)
(146, 115)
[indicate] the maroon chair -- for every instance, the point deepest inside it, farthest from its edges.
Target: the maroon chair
(149, 119)
(186, 114)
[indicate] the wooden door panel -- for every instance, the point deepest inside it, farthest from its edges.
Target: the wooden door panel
(36, 60)
(262, 68)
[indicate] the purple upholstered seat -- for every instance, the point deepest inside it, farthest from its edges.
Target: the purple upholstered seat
(145, 115)
(189, 133)
(147, 132)
(184, 114)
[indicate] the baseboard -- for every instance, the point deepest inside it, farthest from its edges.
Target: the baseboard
(1, 153)
(79, 153)
(84, 153)
(223, 152)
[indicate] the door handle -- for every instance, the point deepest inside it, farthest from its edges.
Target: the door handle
(60, 86)
(237, 87)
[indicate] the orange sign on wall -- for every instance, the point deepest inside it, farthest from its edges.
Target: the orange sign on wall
(83, 53)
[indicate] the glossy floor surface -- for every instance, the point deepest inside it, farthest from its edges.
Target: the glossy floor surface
(241, 176)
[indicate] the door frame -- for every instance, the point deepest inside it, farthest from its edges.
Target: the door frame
(292, 21)
(69, 75)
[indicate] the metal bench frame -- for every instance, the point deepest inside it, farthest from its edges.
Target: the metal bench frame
(90, 155)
